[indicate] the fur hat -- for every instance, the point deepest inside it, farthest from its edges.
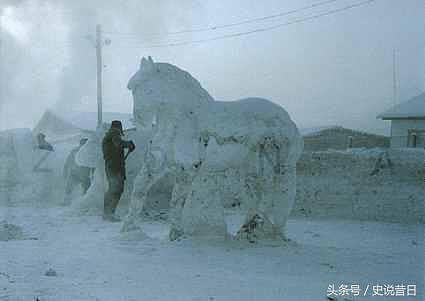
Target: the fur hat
(116, 124)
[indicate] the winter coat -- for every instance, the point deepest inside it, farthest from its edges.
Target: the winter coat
(113, 151)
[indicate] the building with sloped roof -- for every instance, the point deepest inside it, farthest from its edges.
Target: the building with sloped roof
(407, 122)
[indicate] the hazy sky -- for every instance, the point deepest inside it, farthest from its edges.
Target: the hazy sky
(334, 70)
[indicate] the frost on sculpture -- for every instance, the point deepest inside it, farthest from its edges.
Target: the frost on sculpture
(213, 154)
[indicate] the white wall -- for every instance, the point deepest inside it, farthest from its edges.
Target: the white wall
(399, 131)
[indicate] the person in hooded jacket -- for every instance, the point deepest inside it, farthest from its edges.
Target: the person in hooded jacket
(113, 153)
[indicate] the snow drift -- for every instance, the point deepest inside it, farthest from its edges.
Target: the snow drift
(376, 185)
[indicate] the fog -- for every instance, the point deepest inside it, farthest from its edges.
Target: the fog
(333, 70)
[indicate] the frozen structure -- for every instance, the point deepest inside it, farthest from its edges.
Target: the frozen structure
(90, 155)
(210, 155)
(16, 151)
(29, 174)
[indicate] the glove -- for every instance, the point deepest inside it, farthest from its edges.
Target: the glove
(131, 146)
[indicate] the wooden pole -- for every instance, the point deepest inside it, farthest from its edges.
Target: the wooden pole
(395, 96)
(99, 74)
(1, 62)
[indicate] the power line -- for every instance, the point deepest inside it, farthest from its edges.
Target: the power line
(247, 21)
(239, 34)
(264, 29)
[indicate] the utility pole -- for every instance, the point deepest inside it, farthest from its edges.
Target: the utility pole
(395, 92)
(99, 45)
(1, 61)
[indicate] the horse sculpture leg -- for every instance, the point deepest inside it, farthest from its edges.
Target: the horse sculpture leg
(269, 193)
(144, 181)
(279, 190)
(203, 212)
(182, 186)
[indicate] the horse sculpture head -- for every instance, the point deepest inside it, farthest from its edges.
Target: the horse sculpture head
(158, 87)
(167, 107)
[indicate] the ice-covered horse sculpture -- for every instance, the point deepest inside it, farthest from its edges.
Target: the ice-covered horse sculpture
(213, 155)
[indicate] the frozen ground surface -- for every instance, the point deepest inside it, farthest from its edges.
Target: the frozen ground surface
(94, 261)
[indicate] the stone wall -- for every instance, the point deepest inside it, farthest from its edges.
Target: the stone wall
(376, 184)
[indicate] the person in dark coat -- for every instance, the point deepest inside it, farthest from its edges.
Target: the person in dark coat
(113, 153)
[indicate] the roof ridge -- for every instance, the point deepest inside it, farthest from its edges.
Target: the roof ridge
(412, 108)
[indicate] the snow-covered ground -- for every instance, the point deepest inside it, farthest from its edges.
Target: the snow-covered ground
(94, 261)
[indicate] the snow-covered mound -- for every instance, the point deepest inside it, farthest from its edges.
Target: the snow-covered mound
(212, 153)
(363, 184)
(18, 156)
(90, 155)
(9, 171)
(29, 174)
